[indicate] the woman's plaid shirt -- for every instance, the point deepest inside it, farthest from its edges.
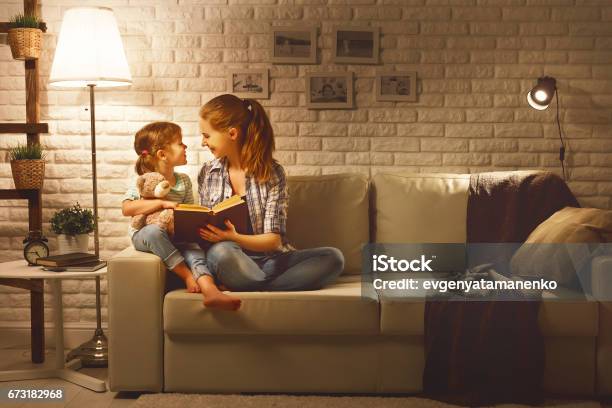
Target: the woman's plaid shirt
(267, 202)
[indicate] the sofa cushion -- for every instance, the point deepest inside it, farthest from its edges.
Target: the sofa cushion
(335, 309)
(330, 210)
(562, 313)
(561, 248)
(420, 208)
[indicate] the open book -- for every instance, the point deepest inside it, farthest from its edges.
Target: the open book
(188, 218)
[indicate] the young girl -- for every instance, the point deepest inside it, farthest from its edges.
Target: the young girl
(160, 148)
(239, 135)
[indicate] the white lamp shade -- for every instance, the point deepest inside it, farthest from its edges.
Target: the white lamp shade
(89, 50)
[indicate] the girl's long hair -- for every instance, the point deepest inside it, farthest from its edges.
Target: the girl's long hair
(256, 138)
(151, 138)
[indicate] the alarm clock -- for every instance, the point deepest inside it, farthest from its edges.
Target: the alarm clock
(35, 246)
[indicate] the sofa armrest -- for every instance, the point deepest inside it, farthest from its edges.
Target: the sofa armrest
(136, 282)
(601, 285)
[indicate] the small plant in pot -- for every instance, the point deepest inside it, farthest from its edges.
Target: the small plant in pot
(24, 37)
(28, 165)
(72, 226)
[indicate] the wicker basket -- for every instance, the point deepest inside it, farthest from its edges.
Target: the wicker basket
(28, 173)
(25, 43)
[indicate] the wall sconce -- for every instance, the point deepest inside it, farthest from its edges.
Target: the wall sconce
(539, 97)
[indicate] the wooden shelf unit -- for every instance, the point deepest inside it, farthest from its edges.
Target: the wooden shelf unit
(34, 204)
(24, 128)
(4, 27)
(32, 128)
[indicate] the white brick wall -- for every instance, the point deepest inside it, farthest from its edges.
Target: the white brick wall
(476, 61)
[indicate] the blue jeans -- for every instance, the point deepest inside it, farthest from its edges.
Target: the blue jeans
(152, 238)
(303, 269)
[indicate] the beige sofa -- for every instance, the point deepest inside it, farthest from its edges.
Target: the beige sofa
(334, 340)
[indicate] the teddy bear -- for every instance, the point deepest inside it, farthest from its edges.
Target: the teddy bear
(153, 186)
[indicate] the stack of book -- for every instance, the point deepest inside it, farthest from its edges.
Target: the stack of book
(74, 262)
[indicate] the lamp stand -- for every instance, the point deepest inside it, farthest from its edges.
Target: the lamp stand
(93, 353)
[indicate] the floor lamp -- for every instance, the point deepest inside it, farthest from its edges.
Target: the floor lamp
(90, 54)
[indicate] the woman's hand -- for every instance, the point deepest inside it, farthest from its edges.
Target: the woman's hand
(168, 204)
(214, 234)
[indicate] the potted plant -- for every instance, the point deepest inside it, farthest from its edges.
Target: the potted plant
(28, 165)
(24, 37)
(72, 226)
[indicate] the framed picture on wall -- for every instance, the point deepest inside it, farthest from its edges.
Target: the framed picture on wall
(291, 45)
(329, 90)
(396, 86)
(248, 83)
(354, 45)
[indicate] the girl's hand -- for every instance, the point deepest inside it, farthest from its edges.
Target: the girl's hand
(214, 234)
(168, 204)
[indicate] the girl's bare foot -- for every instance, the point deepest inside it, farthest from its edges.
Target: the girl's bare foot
(192, 286)
(222, 301)
(183, 271)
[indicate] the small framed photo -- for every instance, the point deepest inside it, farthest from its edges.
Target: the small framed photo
(353, 45)
(396, 86)
(327, 90)
(292, 45)
(248, 83)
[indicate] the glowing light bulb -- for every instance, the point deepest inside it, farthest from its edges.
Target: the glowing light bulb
(541, 95)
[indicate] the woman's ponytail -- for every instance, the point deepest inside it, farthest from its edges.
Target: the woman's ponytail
(258, 143)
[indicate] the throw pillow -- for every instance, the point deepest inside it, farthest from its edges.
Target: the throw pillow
(561, 248)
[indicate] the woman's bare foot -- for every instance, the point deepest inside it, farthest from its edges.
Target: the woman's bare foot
(222, 301)
(192, 286)
(213, 298)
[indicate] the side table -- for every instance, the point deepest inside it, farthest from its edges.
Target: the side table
(65, 371)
